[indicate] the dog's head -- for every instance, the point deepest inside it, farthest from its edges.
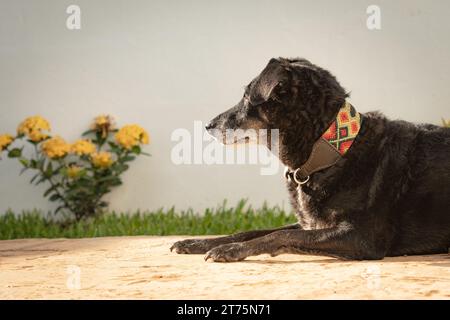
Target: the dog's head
(291, 95)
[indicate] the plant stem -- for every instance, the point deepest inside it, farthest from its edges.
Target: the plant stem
(55, 188)
(52, 184)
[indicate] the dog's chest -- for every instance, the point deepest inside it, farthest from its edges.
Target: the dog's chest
(309, 215)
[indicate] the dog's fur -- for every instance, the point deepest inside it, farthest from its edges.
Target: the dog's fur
(388, 196)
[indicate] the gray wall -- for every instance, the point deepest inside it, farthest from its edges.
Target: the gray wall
(164, 64)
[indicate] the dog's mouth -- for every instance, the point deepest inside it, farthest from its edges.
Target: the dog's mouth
(243, 140)
(235, 140)
(229, 137)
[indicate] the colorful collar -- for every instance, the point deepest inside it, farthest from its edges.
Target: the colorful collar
(344, 128)
(331, 146)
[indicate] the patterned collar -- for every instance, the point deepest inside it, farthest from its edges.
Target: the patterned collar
(331, 146)
(344, 128)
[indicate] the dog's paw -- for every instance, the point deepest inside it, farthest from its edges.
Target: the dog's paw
(190, 246)
(227, 253)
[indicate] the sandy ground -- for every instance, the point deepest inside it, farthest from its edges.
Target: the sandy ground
(144, 268)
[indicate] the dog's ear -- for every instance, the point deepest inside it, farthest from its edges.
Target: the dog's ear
(271, 83)
(274, 60)
(267, 90)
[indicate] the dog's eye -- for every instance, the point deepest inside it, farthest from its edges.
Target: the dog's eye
(280, 88)
(279, 91)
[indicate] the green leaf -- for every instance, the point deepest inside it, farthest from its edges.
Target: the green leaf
(59, 209)
(88, 132)
(15, 153)
(49, 190)
(100, 140)
(42, 179)
(106, 179)
(25, 162)
(33, 164)
(121, 167)
(32, 142)
(136, 149)
(55, 197)
(40, 164)
(103, 204)
(49, 170)
(114, 147)
(35, 177)
(116, 183)
(128, 158)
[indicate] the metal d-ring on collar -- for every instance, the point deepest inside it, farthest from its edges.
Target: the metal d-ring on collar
(292, 175)
(299, 182)
(323, 155)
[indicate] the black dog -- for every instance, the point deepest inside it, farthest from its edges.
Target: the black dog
(388, 195)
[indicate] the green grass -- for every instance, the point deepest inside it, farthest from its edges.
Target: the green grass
(222, 220)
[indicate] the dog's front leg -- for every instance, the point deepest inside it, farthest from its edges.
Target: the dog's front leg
(204, 245)
(340, 241)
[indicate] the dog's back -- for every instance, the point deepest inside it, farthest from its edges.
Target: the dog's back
(423, 215)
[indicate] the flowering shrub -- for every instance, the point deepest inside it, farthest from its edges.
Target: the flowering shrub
(81, 173)
(446, 123)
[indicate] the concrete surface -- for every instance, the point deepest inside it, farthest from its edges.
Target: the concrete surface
(144, 268)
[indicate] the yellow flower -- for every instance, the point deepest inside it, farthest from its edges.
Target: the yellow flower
(55, 147)
(32, 127)
(131, 135)
(37, 136)
(73, 171)
(101, 159)
(5, 141)
(103, 124)
(82, 147)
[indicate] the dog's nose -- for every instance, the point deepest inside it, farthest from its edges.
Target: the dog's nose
(209, 126)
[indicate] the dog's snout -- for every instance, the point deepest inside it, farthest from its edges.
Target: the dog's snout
(210, 125)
